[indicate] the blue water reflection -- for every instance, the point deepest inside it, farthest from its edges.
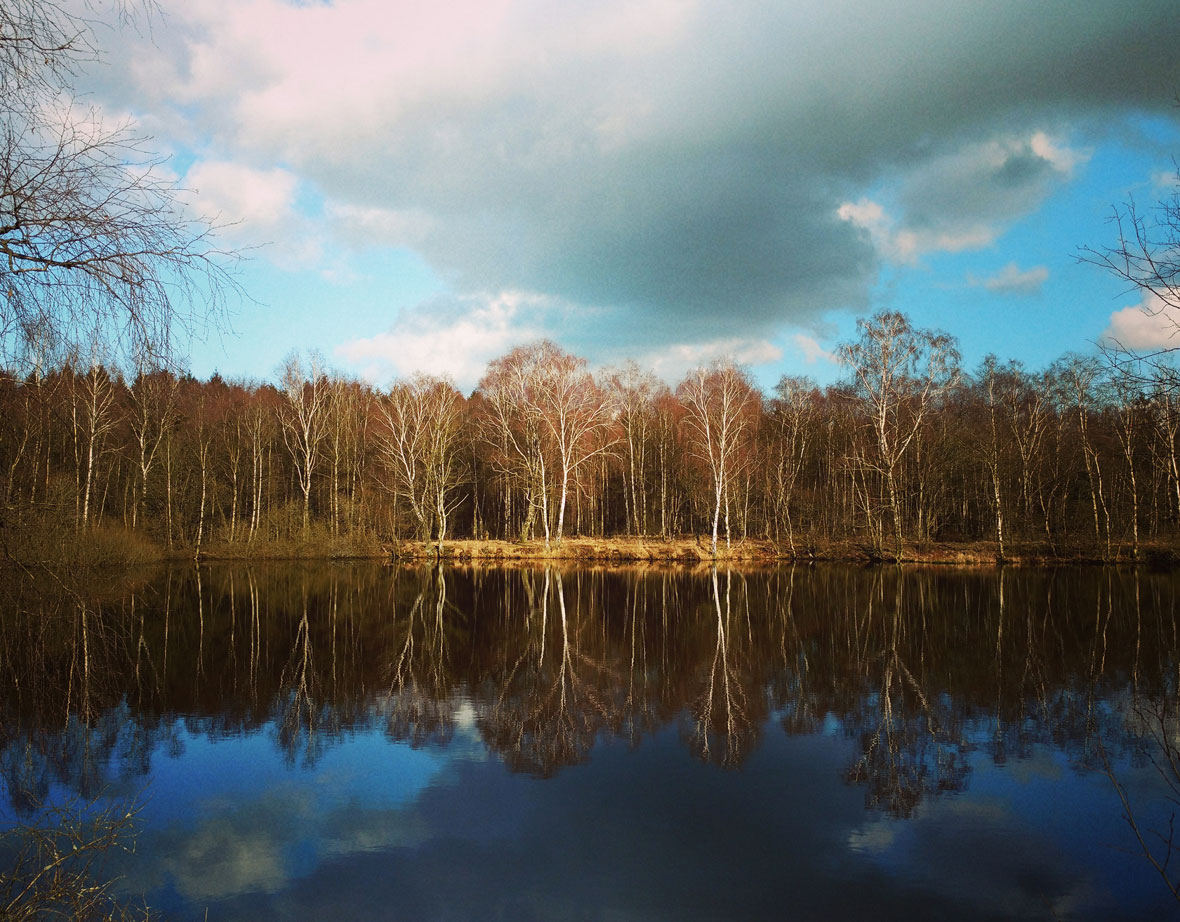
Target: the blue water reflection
(628, 749)
(380, 830)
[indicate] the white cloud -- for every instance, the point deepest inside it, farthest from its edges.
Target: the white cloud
(904, 245)
(256, 208)
(369, 225)
(894, 245)
(454, 340)
(965, 198)
(1013, 280)
(234, 192)
(1151, 324)
(321, 80)
(811, 349)
(1165, 182)
(1063, 159)
(672, 363)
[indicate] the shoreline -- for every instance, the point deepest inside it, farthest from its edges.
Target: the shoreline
(111, 549)
(695, 551)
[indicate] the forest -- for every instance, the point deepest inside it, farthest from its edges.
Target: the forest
(104, 442)
(909, 448)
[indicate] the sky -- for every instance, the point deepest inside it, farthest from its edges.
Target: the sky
(422, 187)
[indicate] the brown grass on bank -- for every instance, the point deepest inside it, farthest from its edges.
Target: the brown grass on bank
(696, 550)
(102, 547)
(317, 544)
(110, 548)
(683, 549)
(621, 550)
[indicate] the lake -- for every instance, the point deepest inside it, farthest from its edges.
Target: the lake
(314, 741)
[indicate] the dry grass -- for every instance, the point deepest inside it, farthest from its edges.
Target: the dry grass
(620, 550)
(102, 547)
(696, 550)
(318, 544)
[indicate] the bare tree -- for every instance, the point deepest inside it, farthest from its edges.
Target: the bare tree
(575, 414)
(94, 417)
(1146, 254)
(899, 371)
(304, 419)
(721, 407)
(1130, 408)
(668, 414)
(201, 444)
(153, 413)
(1026, 399)
(989, 379)
(510, 426)
(59, 864)
(95, 242)
(634, 393)
(546, 416)
(420, 444)
(1166, 424)
(791, 415)
(1079, 377)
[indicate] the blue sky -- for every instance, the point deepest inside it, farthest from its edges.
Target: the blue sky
(665, 180)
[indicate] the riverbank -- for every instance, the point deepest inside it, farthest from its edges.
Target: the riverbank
(697, 549)
(109, 548)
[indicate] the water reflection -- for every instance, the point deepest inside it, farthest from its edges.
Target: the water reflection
(922, 672)
(911, 664)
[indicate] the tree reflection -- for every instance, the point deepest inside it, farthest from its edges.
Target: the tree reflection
(1152, 736)
(551, 707)
(909, 748)
(723, 730)
(1159, 728)
(918, 668)
(300, 709)
(418, 707)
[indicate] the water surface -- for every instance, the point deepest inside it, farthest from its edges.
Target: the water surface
(353, 741)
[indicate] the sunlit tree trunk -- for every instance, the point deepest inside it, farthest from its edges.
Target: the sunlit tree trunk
(722, 407)
(900, 372)
(304, 420)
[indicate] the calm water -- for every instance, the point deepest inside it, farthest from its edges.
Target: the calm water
(358, 742)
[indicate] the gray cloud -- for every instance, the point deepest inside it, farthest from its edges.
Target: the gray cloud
(692, 187)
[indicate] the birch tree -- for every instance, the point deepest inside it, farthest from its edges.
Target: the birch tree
(1078, 377)
(721, 410)
(899, 372)
(510, 426)
(634, 393)
(991, 389)
(94, 418)
(575, 415)
(420, 443)
(152, 415)
(303, 419)
(791, 419)
(547, 417)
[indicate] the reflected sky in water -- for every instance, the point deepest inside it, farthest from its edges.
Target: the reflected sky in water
(355, 742)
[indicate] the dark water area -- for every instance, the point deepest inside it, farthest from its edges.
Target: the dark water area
(361, 742)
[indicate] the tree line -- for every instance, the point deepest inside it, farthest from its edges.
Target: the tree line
(908, 448)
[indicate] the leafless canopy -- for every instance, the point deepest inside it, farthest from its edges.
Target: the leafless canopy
(96, 248)
(1146, 254)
